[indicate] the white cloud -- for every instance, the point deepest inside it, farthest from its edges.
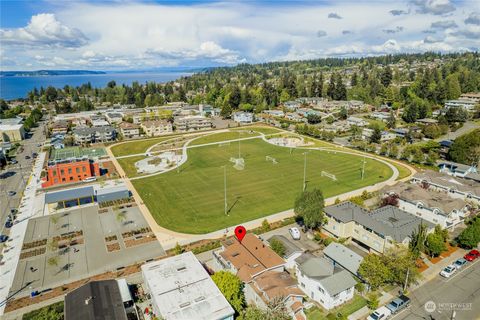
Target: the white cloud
(133, 35)
(334, 15)
(473, 18)
(436, 7)
(44, 30)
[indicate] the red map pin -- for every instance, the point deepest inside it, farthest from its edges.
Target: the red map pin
(240, 232)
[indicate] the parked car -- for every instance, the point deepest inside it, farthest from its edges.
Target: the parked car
(3, 238)
(472, 255)
(295, 233)
(448, 271)
(13, 161)
(459, 263)
(381, 313)
(398, 304)
(34, 155)
(8, 224)
(11, 193)
(27, 157)
(39, 145)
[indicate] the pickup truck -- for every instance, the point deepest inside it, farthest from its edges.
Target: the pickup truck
(398, 304)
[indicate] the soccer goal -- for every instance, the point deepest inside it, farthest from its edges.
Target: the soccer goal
(329, 175)
(272, 159)
(238, 163)
(224, 144)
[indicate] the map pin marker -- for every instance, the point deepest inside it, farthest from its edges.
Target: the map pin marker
(240, 232)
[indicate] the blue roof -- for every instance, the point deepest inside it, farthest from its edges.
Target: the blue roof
(69, 194)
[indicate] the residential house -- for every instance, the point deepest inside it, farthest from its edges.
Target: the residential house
(382, 116)
(263, 273)
(375, 230)
(59, 127)
(274, 113)
(292, 251)
(456, 187)
(156, 128)
(323, 282)
(105, 299)
(294, 117)
(344, 257)
(427, 121)
(475, 96)
(84, 135)
(181, 289)
(114, 117)
(129, 130)
(99, 122)
(466, 104)
(400, 132)
(433, 206)
(355, 121)
(292, 105)
(243, 117)
(385, 135)
(191, 123)
(456, 169)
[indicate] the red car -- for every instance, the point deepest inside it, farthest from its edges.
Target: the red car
(472, 255)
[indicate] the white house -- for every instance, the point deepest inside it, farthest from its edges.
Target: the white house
(456, 169)
(181, 289)
(433, 206)
(243, 117)
(356, 121)
(323, 282)
(467, 104)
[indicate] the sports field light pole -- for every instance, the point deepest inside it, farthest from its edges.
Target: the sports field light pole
(239, 145)
(225, 188)
(363, 167)
(305, 171)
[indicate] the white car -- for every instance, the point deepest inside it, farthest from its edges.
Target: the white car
(90, 179)
(381, 313)
(295, 233)
(448, 271)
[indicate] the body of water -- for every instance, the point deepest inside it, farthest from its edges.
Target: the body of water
(18, 87)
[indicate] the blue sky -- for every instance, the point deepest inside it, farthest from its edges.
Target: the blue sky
(122, 35)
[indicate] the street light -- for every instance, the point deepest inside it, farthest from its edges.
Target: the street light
(305, 170)
(363, 167)
(225, 188)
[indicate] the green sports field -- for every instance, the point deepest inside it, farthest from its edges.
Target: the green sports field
(191, 200)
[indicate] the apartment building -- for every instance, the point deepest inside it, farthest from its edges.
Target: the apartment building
(191, 123)
(155, 128)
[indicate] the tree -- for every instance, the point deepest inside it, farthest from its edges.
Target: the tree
(232, 289)
(387, 76)
(314, 118)
(372, 300)
(274, 311)
(456, 115)
(417, 242)
(470, 236)
(178, 249)
(343, 114)
(376, 135)
(309, 206)
(278, 247)
(374, 271)
(265, 225)
(391, 122)
(356, 132)
(435, 244)
(226, 111)
(466, 148)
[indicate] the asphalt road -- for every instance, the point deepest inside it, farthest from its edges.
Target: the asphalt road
(21, 171)
(457, 297)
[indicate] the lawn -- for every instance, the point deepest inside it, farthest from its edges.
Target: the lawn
(403, 171)
(136, 146)
(218, 137)
(52, 312)
(191, 200)
(345, 310)
(128, 165)
(261, 129)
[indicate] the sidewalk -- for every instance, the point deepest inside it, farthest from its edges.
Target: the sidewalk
(429, 274)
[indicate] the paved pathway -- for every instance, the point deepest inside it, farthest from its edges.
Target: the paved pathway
(168, 239)
(11, 252)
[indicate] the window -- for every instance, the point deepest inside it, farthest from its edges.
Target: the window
(321, 290)
(71, 178)
(69, 170)
(62, 172)
(55, 180)
(54, 173)
(77, 170)
(84, 169)
(302, 284)
(63, 179)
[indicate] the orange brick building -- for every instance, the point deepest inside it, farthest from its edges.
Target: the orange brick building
(68, 171)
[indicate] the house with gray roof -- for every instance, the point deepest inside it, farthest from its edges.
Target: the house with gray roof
(292, 251)
(456, 169)
(322, 281)
(343, 257)
(375, 230)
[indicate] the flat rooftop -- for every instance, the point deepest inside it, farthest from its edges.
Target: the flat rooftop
(182, 289)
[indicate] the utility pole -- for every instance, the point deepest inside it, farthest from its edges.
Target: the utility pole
(225, 188)
(239, 145)
(406, 281)
(305, 171)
